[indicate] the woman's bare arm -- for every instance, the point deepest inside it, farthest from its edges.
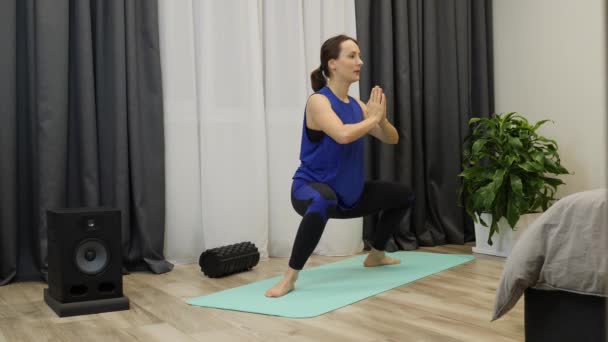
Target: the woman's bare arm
(320, 116)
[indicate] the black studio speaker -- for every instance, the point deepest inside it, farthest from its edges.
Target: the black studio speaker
(85, 261)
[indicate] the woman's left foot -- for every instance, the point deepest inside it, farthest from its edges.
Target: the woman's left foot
(379, 260)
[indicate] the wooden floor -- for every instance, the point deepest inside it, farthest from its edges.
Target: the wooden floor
(454, 305)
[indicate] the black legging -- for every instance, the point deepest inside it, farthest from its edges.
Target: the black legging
(317, 202)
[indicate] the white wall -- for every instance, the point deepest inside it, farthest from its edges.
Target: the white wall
(550, 63)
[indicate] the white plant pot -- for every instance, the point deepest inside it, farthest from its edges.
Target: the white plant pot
(503, 240)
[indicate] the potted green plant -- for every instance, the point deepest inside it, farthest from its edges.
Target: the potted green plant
(505, 165)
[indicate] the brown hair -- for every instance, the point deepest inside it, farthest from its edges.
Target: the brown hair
(329, 50)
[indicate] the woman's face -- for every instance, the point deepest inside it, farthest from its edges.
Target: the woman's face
(348, 64)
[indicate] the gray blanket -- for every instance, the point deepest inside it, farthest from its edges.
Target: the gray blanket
(566, 249)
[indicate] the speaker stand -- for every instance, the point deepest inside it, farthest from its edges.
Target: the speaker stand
(86, 307)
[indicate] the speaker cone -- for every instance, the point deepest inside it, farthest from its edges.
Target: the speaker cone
(91, 256)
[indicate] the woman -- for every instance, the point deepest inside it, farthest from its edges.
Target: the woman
(330, 182)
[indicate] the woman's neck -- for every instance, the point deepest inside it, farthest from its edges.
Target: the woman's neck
(339, 88)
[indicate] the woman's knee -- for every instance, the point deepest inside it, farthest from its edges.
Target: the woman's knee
(409, 196)
(323, 202)
(409, 200)
(315, 198)
(403, 195)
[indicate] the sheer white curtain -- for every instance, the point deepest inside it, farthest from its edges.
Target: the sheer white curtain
(236, 79)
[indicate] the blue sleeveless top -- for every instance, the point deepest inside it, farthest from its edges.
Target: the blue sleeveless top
(340, 166)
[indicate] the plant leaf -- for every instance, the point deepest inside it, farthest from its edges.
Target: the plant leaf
(478, 145)
(515, 142)
(554, 182)
(474, 120)
(517, 185)
(539, 123)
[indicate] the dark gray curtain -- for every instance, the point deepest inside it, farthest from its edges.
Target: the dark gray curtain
(433, 58)
(82, 125)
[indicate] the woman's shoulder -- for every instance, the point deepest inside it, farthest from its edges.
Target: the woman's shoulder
(318, 99)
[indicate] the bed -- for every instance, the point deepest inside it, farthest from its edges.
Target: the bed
(560, 266)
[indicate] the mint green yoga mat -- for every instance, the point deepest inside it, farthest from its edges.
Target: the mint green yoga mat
(331, 286)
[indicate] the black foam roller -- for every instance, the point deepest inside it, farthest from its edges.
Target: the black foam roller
(226, 260)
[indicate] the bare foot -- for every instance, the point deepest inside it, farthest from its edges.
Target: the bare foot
(281, 288)
(285, 285)
(378, 258)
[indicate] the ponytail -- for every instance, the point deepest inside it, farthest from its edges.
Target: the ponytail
(329, 50)
(317, 79)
